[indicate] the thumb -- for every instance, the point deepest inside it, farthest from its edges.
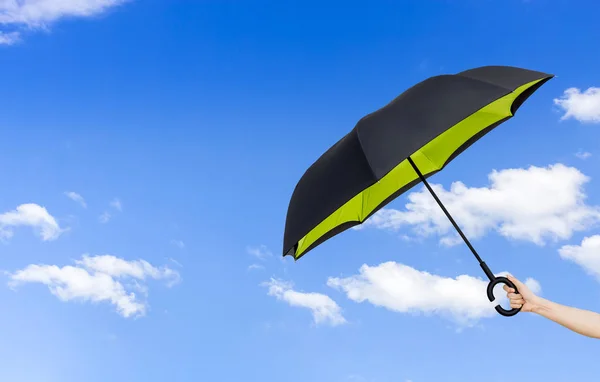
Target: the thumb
(514, 280)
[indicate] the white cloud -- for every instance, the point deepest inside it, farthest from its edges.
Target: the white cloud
(178, 243)
(583, 155)
(584, 107)
(120, 268)
(105, 217)
(356, 378)
(586, 255)
(175, 262)
(31, 215)
(24, 15)
(261, 252)
(76, 198)
(252, 267)
(403, 289)
(10, 38)
(535, 204)
(116, 204)
(98, 279)
(323, 308)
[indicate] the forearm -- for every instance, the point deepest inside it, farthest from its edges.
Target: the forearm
(581, 321)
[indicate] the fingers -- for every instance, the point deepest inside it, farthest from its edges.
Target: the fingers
(514, 280)
(515, 299)
(519, 300)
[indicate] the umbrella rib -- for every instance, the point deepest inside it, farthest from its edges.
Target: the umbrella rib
(485, 268)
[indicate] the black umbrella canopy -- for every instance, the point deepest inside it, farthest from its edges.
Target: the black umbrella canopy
(395, 147)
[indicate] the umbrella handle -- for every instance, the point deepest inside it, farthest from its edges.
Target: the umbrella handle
(490, 294)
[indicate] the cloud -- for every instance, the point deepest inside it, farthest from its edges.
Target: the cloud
(76, 198)
(116, 204)
(105, 217)
(175, 262)
(32, 215)
(583, 155)
(583, 107)
(252, 267)
(535, 204)
(261, 252)
(10, 38)
(178, 243)
(586, 255)
(119, 268)
(356, 378)
(40, 14)
(324, 309)
(400, 288)
(103, 278)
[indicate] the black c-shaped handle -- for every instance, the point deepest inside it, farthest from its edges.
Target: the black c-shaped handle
(490, 294)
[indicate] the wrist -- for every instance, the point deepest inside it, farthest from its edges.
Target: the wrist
(539, 305)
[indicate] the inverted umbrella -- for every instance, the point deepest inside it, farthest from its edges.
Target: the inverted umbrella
(392, 149)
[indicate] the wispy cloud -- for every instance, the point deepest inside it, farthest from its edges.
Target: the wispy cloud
(583, 154)
(252, 267)
(261, 252)
(33, 216)
(324, 310)
(581, 106)
(175, 262)
(10, 38)
(19, 16)
(103, 278)
(178, 243)
(116, 204)
(356, 378)
(106, 216)
(76, 198)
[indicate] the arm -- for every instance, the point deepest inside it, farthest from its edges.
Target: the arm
(580, 321)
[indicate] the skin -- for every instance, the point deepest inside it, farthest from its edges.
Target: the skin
(581, 321)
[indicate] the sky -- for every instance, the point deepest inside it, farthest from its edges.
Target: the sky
(149, 150)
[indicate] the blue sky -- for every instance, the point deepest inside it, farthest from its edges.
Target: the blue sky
(151, 147)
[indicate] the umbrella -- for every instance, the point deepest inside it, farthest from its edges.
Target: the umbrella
(392, 149)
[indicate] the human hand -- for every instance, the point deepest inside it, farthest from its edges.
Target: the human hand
(525, 299)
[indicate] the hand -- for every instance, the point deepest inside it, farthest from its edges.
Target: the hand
(525, 299)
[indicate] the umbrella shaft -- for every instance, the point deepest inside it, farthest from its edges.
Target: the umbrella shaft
(485, 268)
